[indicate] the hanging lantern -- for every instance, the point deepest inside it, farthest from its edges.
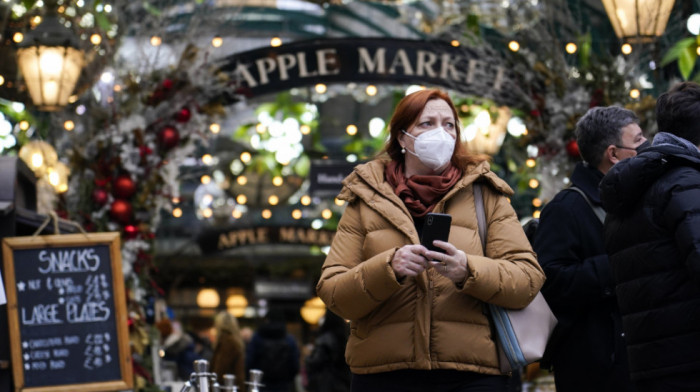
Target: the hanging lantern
(208, 298)
(57, 176)
(39, 156)
(313, 310)
(236, 304)
(638, 21)
(50, 61)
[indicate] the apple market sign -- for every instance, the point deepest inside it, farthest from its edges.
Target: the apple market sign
(473, 71)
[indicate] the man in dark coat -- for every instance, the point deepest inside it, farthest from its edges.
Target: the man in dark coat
(653, 238)
(588, 353)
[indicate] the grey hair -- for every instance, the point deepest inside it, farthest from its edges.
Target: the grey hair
(599, 128)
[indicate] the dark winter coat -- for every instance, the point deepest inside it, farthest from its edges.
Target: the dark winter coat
(325, 366)
(589, 353)
(653, 238)
(276, 353)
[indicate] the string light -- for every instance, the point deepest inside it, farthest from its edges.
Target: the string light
(217, 41)
(242, 180)
(371, 90)
(177, 212)
(246, 157)
(306, 200)
(215, 128)
(454, 43)
(275, 42)
(321, 88)
(571, 48)
(267, 214)
(533, 183)
(530, 163)
(626, 49)
(635, 93)
(351, 130)
(273, 200)
(69, 125)
(277, 180)
(326, 214)
(156, 41)
(241, 199)
(205, 179)
(296, 214)
(514, 46)
(96, 39)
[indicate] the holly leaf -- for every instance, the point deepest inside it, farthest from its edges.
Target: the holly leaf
(686, 61)
(676, 50)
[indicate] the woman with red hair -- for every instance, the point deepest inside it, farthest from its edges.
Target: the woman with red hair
(417, 316)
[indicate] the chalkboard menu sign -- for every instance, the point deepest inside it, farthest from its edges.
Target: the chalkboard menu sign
(67, 313)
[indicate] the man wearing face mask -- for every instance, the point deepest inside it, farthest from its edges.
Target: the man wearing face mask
(587, 352)
(417, 320)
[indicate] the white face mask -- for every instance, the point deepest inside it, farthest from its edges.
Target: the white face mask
(434, 148)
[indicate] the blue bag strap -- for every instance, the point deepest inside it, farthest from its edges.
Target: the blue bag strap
(499, 316)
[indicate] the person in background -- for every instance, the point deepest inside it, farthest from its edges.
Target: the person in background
(587, 352)
(417, 316)
(229, 349)
(653, 237)
(274, 351)
(326, 369)
(178, 347)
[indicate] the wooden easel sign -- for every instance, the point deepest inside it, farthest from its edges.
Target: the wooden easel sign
(67, 313)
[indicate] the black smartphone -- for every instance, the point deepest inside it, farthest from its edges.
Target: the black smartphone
(435, 227)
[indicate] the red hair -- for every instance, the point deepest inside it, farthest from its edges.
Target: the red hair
(405, 115)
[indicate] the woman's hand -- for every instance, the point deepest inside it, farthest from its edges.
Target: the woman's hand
(452, 264)
(409, 260)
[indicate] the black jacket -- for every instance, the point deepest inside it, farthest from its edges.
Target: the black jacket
(653, 237)
(589, 354)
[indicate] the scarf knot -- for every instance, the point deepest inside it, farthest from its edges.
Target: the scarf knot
(420, 193)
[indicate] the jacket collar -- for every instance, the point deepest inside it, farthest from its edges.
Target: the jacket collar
(587, 179)
(367, 182)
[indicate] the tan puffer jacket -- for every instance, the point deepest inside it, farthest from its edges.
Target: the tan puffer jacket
(424, 322)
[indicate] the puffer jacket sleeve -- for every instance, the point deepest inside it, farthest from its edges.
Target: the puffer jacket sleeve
(508, 275)
(349, 286)
(682, 215)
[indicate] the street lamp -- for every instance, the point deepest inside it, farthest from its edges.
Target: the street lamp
(638, 21)
(50, 61)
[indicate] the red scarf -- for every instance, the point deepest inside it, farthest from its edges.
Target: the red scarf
(420, 193)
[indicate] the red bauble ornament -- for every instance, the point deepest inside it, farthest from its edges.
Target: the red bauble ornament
(100, 196)
(130, 231)
(183, 115)
(168, 137)
(120, 211)
(167, 84)
(123, 187)
(572, 149)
